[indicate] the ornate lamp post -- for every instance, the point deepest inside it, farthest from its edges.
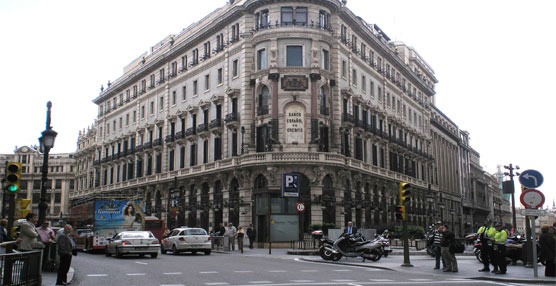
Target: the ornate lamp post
(46, 143)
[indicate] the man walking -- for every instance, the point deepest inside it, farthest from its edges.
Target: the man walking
(251, 234)
(436, 248)
(499, 248)
(28, 233)
(448, 238)
(231, 235)
(66, 247)
(486, 236)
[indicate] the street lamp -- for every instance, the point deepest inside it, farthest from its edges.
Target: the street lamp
(242, 137)
(46, 143)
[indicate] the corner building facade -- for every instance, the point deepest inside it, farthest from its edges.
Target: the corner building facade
(204, 124)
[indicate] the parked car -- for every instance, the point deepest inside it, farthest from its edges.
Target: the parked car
(133, 242)
(83, 238)
(186, 240)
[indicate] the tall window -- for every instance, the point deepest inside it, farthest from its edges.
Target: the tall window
(287, 16)
(207, 82)
(219, 76)
(261, 20)
(354, 77)
(294, 56)
(184, 92)
(261, 59)
(206, 47)
(325, 60)
(174, 69)
(235, 68)
(343, 33)
(194, 88)
(263, 101)
(195, 57)
(184, 63)
(323, 20)
(344, 69)
(301, 16)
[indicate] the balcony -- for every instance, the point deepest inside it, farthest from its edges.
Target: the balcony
(311, 25)
(148, 145)
(215, 123)
(190, 131)
(348, 118)
(202, 129)
(262, 110)
(139, 148)
(180, 135)
(157, 142)
(231, 119)
(170, 138)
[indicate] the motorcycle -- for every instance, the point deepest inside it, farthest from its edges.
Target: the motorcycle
(514, 249)
(349, 245)
(385, 244)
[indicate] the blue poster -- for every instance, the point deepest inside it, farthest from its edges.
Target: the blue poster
(114, 216)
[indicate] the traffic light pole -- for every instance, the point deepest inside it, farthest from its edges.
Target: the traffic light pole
(406, 262)
(11, 215)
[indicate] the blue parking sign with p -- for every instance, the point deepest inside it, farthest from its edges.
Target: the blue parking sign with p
(290, 185)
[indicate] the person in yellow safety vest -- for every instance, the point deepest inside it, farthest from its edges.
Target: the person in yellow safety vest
(486, 234)
(499, 247)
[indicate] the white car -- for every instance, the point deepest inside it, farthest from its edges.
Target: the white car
(186, 240)
(133, 242)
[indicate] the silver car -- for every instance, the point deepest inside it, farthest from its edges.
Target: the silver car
(133, 242)
(186, 240)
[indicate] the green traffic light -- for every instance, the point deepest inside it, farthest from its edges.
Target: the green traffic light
(12, 188)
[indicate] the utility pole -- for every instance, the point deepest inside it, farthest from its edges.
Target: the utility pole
(511, 174)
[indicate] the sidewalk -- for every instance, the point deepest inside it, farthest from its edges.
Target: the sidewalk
(423, 264)
(49, 278)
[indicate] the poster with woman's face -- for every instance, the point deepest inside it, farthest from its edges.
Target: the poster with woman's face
(113, 216)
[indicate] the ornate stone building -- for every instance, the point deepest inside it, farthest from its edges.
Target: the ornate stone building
(61, 180)
(205, 123)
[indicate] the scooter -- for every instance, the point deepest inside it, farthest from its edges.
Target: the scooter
(350, 245)
(385, 244)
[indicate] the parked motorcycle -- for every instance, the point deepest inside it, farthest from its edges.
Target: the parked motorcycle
(385, 244)
(514, 249)
(349, 245)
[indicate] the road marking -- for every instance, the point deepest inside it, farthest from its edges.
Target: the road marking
(143, 263)
(136, 274)
(420, 279)
(97, 275)
(217, 283)
(374, 269)
(457, 279)
(172, 273)
(243, 271)
(277, 271)
(309, 271)
(381, 280)
(208, 272)
(302, 281)
(342, 270)
(260, 282)
(343, 280)
(172, 285)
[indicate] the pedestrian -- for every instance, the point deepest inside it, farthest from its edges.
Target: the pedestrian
(486, 236)
(5, 235)
(251, 234)
(240, 236)
(47, 236)
(28, 233)
(231, 233)
(499, 248)
(221, 231)
(548, 250)
(448, 238)
(436, 248)
(66, 248)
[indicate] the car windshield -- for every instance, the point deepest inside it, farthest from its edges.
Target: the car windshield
(137, 235)
(195, 231)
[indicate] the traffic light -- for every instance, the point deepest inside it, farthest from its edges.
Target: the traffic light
(21, 210)
(13, 177)
(405, 193)
(400, 212)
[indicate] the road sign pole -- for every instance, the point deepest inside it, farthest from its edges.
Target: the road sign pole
(406, 262)
(529, 263)
(534, 258)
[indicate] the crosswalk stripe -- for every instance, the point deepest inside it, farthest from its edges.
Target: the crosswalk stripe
(97, 275)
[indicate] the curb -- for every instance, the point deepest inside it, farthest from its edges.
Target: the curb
(514, 280)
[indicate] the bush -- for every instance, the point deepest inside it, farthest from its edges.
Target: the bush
(413, 232)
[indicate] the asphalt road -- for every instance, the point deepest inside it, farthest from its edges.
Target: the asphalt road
(240, 269)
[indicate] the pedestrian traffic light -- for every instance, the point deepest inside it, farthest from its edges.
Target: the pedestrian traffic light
(13, 177)
(21, 210)
(400, 212)
(405, 193)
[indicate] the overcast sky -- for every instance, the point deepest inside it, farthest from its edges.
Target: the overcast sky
(493, 59)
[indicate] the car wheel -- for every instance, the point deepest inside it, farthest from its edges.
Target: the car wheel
(194, 252)
(118, 254)
(174, 250)
(154, 255)
(207, 252)
(162, 249)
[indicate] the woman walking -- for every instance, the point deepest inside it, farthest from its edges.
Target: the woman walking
(240, 235)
